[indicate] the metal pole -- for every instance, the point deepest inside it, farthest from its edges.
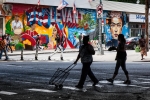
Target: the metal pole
(146, 22)
(100, 33)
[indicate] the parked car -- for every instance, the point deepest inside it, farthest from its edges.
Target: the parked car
(132, 42)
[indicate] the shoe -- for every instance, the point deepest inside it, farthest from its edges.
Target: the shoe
(95, 83)
(61, 58)
(110, 80)
(11, 51)
(79, 87)
(127, 82)
(6, 59)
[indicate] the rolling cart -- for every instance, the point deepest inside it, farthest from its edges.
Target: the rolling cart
(60, 75)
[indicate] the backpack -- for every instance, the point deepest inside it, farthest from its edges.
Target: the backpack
(2, 44)
(142, 43)
(85, 55)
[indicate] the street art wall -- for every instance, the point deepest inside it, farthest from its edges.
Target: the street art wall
(115, 23)
(47, 22)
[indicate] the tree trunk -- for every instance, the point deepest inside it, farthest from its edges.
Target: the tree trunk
(146, 23)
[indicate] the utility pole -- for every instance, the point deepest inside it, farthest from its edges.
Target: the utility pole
(146, 22)
(99, 16)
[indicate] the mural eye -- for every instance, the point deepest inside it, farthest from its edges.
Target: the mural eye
(112, 25)
(119, 25)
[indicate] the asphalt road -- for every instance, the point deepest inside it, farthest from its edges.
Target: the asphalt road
(29, 80)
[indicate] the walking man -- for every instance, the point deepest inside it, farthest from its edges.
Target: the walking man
(59, 45)
(85, 53)
(3, 43)
(37, 46)
(142, 43)
(121, 59)
(8, 46)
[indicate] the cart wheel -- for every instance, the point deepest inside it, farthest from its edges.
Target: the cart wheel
(49, 58)
(51, 83)
(56, 86)
(60, 86)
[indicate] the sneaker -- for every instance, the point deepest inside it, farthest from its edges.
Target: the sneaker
(61, 58)
(110, 80)
(95, 83)
(79, 87)
(127, 82)
(6, 59)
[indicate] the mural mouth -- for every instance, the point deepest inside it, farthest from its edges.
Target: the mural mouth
(116, 35)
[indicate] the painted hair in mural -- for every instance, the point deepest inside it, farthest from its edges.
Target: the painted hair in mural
(115, 24)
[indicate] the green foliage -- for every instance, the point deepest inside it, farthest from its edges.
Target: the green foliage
(76, 34)
(19, 46)
(129, 1)
(87, 19)
(8, 27)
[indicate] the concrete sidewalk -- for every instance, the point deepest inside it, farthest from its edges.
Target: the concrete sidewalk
(132, 56)
(28, 52)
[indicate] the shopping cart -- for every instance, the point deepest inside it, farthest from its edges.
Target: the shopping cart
(60, 75)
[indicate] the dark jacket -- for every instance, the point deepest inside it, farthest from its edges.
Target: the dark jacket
(121, 51)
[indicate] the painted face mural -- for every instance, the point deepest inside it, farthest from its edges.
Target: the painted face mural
(116, 27)
(54, 32)
(115, 24)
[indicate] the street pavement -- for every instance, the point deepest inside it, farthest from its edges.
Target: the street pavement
(30, 81)
(70, 54)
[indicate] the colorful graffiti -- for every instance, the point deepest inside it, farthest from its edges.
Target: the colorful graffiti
(48, 22)
(115, 23)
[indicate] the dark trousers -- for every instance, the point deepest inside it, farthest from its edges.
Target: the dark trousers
(38, 46)
(8, 45)
(57, 46)
(5, 51)
(86, 70)
(122, 63)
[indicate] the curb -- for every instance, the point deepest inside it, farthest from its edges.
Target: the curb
(11, 54)
(142, 61)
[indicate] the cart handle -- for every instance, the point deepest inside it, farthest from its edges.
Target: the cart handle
(70, 67)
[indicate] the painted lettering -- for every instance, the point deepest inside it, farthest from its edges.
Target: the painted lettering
(64, 14)
(69, 17)
(140, 17)
(52, 14)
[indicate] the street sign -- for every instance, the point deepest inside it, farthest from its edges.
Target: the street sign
(102, 22)
(99, 11)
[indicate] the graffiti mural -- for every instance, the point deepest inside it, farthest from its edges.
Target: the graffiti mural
(115, 23)
(47, 22)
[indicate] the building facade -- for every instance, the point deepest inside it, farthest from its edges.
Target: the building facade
(127, 19)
